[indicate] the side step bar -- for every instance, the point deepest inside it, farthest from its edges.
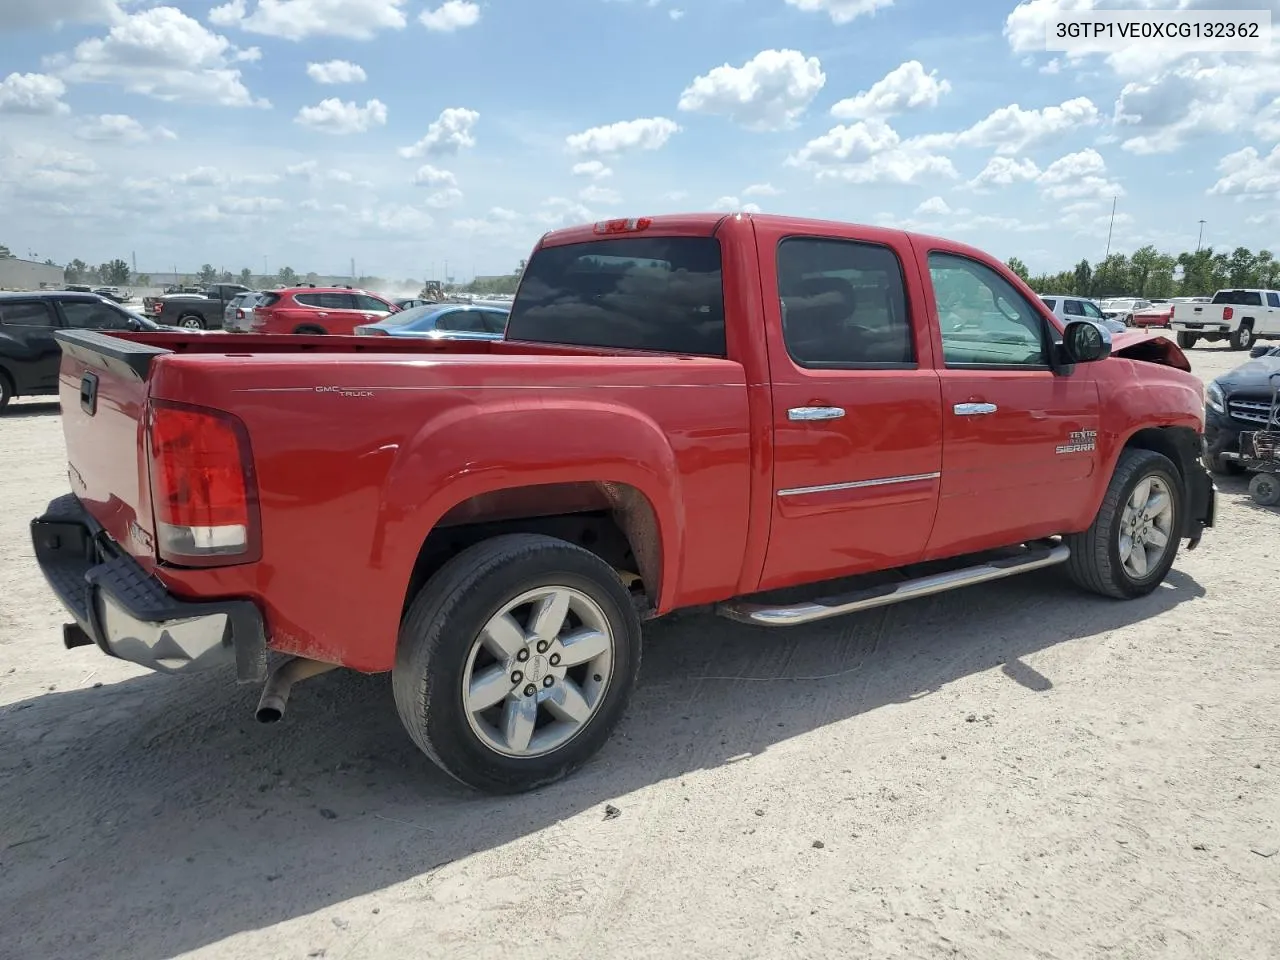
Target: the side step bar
(1039, 554)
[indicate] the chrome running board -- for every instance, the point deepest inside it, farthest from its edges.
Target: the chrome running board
(1039, 554)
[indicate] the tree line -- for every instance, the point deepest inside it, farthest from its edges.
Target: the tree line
(1149, 273)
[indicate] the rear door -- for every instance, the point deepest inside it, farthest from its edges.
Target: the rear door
(856, 411)
(28, 352)
(370, 309)
(1020, 440)
(1273, 313)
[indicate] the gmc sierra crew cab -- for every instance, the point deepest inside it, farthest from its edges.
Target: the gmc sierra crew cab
(1241, 316)
(704, 410)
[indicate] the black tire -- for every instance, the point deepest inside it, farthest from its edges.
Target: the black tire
(191, 322)
(1187, 340)
(1242, 337)
(1264, 488)
(309, 331)
(1095, 554)
(6, 390)
(441, 625)
(1224, 468)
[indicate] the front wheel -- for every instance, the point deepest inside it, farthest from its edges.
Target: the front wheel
(6, 391)
(1187, 340)
(516, 662)
(1132, 542)
(1242, 338)
(191, 323)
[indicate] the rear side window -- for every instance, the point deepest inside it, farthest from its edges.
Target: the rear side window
(495, 321)
(1239, 298)
(268, 300)
(1273, 299)
(640, 293)
(462, 321)
(365, 302)
(93, 316)
(1072, 308)
(326, 301)
(1049, 302)
(844, 304)
(29, 313)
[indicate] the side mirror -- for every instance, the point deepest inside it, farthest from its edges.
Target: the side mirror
(1084, 341)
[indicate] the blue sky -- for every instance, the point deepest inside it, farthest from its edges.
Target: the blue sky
(402, 133)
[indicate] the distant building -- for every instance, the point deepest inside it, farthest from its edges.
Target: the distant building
(18, 274)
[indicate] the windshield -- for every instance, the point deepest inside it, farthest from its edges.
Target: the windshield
(1240, 298)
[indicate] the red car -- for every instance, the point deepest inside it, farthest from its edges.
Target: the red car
(1156, 315)
(686, 411)
(318, 310)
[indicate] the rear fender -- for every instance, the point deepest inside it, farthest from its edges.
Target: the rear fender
(488, 447)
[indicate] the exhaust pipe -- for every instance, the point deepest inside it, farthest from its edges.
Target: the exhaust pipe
(275, 695)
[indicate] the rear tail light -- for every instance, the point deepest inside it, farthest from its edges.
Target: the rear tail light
(202, 486)
(239, 314)
(1227, 313)
(157, 307)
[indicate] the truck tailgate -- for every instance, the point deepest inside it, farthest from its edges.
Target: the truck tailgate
(103, 386)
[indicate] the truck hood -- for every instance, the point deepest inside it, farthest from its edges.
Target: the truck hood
(1136, 345)
(1253, 376)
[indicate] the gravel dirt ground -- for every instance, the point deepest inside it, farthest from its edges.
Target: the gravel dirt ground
(1016, 770)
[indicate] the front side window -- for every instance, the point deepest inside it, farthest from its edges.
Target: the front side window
(1273, 299)
(93, 316)
(844, 304)
(1049, 302)
(370, 304)
(1091, 311)
(984, 320)
(634, 292)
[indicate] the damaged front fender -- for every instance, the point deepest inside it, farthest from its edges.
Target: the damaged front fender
(1158, 349)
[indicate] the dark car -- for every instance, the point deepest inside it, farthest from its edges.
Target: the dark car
(1236, 401)
(442, 321)
(29, 355)
(195, 311)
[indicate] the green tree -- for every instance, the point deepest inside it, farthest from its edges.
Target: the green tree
(142, 280)
(1268, 269)
(1013, 263)
(115, 273)
(75, 271)
(1142, 266)
(207, 274)
(1242, 270)
(287, 277)
(246, 277)
(1082, 278)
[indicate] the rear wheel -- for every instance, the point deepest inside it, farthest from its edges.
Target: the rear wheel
(1242, 338)
(516, 662)
(191, 322)
(1132, 542)
(308, 330)
(6, 390)
(1187, 340)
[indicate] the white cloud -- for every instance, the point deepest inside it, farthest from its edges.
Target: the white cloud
(770, 91)
(840, 11)
(46, 172)
(450, 16)
(336, 71)
(734, 205)
(648, 133)
(503, 214)
(1003, 171)
(122, 128)
(1246, 173)
(1078, 176)
(761, 190)
(163, 53)
(871, 151)
(562, 212)
(335, 116)
(934, 205)
(593, 169)
(448, 197)
(1011, 130)
(35, 93)
(598, 194)
(250, 205)
(675, 14)
(428, 175)
(906, 87)
(446, 135)
(300, 19)
(845, 143)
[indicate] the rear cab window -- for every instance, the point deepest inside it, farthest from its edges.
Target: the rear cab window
(638, 293)
(1239, 298)
(1273, 299)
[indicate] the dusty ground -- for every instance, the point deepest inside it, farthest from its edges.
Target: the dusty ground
(1012, 771)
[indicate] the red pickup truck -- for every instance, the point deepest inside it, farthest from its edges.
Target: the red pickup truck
(696, 410)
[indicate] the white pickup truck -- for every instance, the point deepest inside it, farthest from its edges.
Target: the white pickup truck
(1241, 315)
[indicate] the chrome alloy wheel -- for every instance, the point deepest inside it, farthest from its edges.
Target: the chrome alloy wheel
(538, 671)
(1146, 527)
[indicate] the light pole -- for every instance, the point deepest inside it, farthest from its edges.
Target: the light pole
(1201, 237)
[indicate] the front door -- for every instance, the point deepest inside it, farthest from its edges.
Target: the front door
(856, 418)
(1020, 441)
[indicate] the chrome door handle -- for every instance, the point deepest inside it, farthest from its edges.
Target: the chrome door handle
(321, 314)
(815, 413)
(973, 409)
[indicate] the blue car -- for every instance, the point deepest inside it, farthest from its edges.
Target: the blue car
(441, 321)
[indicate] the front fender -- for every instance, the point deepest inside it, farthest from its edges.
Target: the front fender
(489, 446)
